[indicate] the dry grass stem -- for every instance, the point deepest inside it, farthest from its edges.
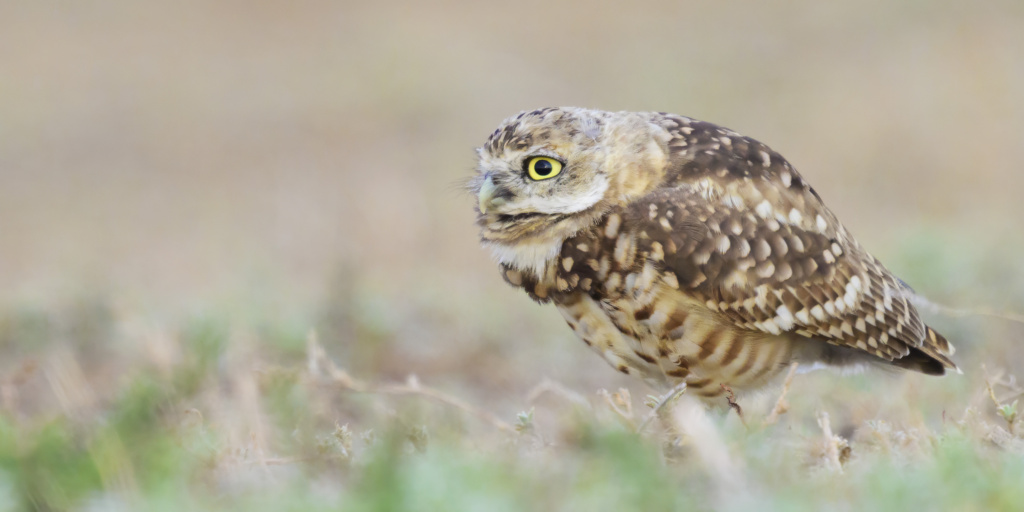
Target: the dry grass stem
(935, 307)
(781, 405)
(832, 443)
(550, 386)
(988, 387)
(614, 403)
(1010, 383)
(319, 363)
(1007, 411)
(624, 401)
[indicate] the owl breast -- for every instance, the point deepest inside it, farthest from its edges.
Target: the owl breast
(609, 285)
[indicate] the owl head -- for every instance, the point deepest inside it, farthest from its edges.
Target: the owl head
(546, 174)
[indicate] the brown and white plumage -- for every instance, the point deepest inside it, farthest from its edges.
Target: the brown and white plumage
(680, 250)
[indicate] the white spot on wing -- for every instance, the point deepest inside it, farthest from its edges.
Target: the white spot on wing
(795, 217)
(818, 313)
(787, 179)
(769, 325)
(761, 297)
(784, 318)
(851, 292)
(848, 329)
(722, 244)
(802, 316)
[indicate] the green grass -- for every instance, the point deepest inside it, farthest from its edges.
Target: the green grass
(206, 433)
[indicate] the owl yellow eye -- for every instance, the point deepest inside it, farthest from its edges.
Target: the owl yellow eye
(542, 168)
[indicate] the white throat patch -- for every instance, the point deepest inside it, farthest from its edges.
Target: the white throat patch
(525, 256)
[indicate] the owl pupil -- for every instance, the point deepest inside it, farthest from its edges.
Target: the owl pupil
(542, 167)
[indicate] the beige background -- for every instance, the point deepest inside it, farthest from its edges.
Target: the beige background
(302, 162)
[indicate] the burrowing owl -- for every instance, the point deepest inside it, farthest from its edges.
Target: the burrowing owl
(680, 250)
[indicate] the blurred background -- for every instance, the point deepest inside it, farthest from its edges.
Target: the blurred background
(281, 167)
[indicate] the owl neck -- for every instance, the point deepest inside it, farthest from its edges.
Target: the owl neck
(581, 263)
(535, 255)
(532, 257)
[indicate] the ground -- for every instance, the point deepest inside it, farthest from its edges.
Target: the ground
(237, 410)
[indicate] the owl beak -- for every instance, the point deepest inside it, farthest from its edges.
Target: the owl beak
(487, 198)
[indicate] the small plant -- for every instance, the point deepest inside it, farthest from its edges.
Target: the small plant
(418, 436)
(338, 442)
(524, 422)
(1009, 413)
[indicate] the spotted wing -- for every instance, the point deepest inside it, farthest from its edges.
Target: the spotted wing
(742, 231)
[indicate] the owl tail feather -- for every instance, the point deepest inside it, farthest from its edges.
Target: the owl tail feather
(932, 357)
